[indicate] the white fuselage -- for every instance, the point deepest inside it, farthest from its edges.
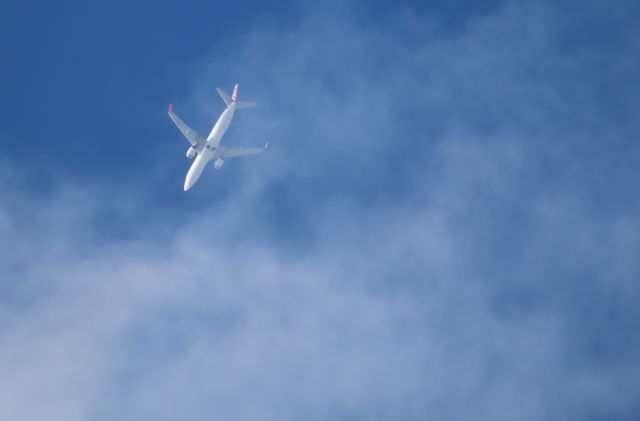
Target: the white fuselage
(210, 150)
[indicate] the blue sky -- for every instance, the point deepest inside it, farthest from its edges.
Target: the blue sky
(446, 224)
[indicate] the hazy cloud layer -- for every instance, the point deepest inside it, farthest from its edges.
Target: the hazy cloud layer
(445, 227)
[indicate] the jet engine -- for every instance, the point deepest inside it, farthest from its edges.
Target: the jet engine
(218, 164)
(191, 152)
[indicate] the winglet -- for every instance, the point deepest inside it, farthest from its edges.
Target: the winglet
(170, 108)
(266, 146)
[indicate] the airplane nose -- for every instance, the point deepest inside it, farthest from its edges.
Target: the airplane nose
(187, 184)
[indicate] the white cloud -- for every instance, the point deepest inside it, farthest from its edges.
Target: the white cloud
(408, 248)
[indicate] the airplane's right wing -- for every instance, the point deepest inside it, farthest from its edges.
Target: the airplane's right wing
(193, 137)
(228, 152)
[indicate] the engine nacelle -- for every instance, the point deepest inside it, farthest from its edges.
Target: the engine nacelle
(191, 152)
(218, 164)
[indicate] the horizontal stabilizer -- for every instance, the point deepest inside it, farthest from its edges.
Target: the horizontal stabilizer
(226, 98)
(245, 104)
(231, 99)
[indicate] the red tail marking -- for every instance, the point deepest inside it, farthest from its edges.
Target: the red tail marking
(170, 108)
(234, 95)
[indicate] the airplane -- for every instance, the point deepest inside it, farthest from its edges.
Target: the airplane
(210, 148)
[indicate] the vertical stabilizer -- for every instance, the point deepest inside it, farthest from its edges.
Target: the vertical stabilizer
(233, 98)
(234, 94)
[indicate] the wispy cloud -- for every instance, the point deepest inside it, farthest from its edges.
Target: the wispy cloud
(445, 227)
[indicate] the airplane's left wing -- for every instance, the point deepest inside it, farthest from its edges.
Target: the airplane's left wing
(228, 152)
(193, 137)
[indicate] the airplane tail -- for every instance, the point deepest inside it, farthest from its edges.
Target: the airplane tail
(224, 97)
(245, 104)
(234, 95)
